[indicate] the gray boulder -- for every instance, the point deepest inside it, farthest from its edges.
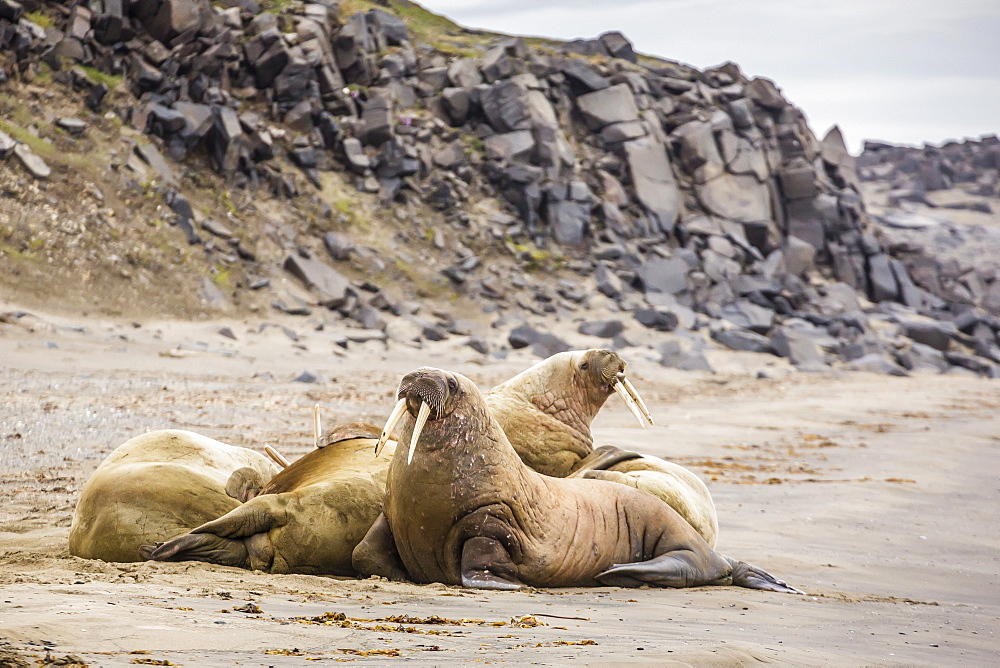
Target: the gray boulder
(799, 346)
(934, 333)
(653, 180)
(743, 340)
(583, 75)
(664, 275)
(605, 329)
(618, 46)
(614, 104)
(608, 282)
(516, 146)
(876, 363)
(683, 355)
(464, 73)
(329, 285)
(737, 197)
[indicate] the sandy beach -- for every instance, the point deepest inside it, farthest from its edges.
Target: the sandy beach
(875, 495)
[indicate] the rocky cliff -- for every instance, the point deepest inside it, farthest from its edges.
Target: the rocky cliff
(421, 181)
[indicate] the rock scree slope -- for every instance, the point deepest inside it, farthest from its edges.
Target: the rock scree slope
(375, 165)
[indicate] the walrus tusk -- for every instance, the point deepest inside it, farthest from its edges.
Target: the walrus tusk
(394, 417)
(276, 457)
(422, 415)
(317, 426)
(630, 402)
(638, 399)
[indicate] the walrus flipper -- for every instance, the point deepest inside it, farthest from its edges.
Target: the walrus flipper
(602, 458)
(676, 569)
(684, 568)
(244, 484)
(259, 515)
(752, 577)
(199, 547)
(486, 564)
(376, 554)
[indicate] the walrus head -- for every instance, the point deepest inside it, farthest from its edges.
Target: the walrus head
(426, 393)
(600, 372)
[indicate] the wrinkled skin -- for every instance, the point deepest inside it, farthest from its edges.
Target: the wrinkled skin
(468, 512)
(546, 412)
(681, 489)
(308, 519)
(157, 486)
(547, 409)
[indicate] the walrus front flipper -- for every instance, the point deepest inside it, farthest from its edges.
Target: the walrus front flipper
(602, 458)
(376, 554)
(199, 547)
(752, 577)
(486, 564)
(676, 569)
(244, 484)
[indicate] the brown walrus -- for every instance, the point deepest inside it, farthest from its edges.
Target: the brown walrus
(157, 486)
(464, 510)
(308, 519)
(546, 412)
(678, 487)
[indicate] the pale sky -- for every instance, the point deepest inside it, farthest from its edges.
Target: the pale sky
(905, 71)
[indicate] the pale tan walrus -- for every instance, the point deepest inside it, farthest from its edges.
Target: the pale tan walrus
(308, 519)
(461, 508)
(160, 485)
(546, 412)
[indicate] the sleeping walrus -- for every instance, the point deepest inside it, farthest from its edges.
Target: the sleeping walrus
(461, 508)
(308, 519)
(160, 485)
(546, 412)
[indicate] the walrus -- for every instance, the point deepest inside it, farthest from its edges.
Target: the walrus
(461, 508)
(678, 487)
(307, 519)
(546, 412)
(160, 485)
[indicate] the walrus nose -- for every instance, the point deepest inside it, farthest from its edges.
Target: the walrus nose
(418, 393)
(623, 386)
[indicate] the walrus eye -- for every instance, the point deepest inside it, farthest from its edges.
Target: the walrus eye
(583, 367)
(452, 385)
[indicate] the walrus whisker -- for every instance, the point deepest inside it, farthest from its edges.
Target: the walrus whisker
(276, 457)
(422, 415)
(630, 402)
(638, 399)
(317, 426)
(394, 417)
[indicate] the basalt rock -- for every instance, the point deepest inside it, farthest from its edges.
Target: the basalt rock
(685, 197)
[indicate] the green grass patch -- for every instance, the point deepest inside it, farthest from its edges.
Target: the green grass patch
(39, 19)
(222, 278)
(276, 6)
(535, 258)
(96, 76)
(36, 144)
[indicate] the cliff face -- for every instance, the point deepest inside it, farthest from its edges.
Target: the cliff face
(685, 198)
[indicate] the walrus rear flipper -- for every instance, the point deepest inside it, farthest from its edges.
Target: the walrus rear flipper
(676, 569)
(199, 547)
(244, 484)
(684, 568)
(752, 577)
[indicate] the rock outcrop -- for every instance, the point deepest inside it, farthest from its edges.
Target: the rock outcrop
(692, 200)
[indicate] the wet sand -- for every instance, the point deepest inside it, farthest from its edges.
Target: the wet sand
(878, 496)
